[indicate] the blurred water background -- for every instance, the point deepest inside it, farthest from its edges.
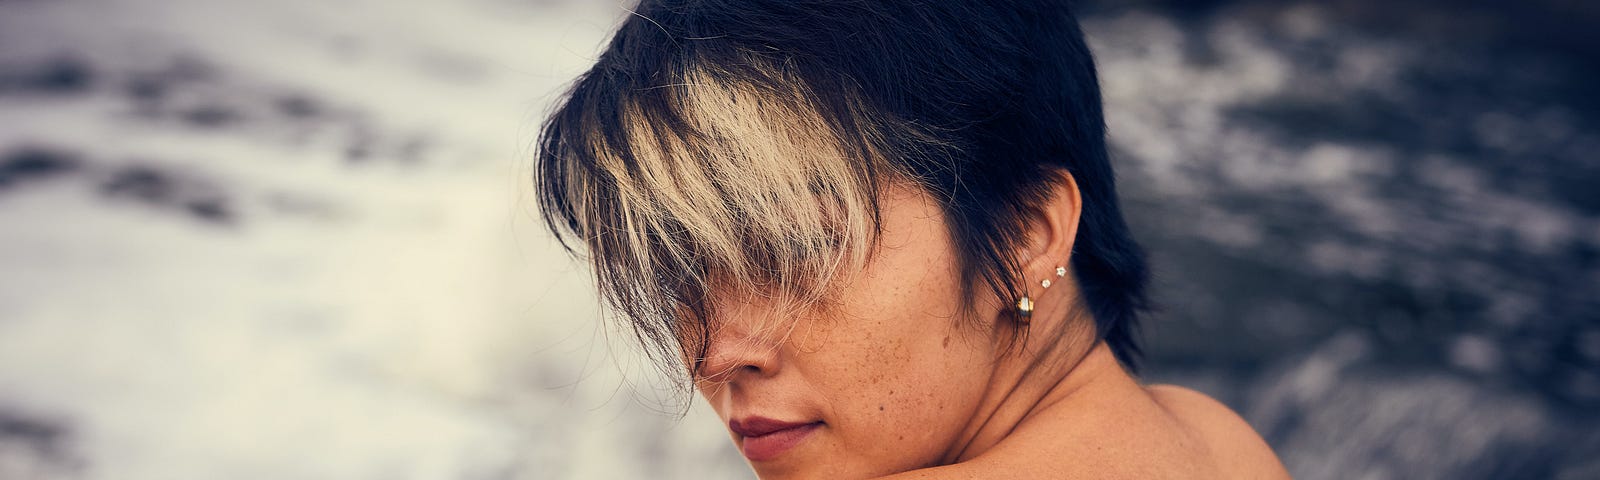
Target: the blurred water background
(294, 239)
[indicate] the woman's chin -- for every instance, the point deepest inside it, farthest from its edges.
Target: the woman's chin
(777, 445)
(802, 460)
(809, 459)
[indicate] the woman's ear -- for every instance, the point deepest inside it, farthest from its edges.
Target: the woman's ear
(1051, 229)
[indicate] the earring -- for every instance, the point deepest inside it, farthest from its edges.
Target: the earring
(1025, 304)
(1025, 308)
(1060, 272)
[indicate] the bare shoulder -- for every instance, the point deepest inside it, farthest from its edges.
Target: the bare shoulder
(1239, 451)
(1169, 432)
(1199, 410)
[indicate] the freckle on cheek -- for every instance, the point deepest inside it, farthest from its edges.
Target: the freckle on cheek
(880, 408)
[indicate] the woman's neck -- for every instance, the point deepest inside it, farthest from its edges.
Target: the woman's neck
(1070, 371)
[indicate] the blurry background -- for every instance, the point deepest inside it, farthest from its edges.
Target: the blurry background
(294, 239)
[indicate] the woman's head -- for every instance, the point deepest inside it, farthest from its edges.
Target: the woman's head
(726, 163)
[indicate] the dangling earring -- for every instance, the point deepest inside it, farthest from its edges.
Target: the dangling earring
(1025, 304)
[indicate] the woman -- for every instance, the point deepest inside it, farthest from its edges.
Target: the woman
(879, 238)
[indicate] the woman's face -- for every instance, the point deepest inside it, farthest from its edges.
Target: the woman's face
(885, 380)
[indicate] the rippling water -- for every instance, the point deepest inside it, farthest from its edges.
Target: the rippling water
(1379, 244)
(294, 239)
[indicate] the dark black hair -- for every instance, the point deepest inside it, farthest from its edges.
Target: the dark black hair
(981, 103)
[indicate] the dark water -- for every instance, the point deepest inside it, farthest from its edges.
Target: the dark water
(1389, 260)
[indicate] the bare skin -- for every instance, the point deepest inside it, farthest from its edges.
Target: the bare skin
(1099, 423)
(890, 383)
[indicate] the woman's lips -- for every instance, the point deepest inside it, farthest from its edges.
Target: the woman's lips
(765, 438)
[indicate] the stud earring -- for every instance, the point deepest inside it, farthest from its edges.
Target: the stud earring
(1060, 272)
(1025, 304)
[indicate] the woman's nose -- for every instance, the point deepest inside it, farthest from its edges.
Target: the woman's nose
(733, 353)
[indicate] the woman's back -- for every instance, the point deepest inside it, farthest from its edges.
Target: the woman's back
(1109, 426)
(1223, 439)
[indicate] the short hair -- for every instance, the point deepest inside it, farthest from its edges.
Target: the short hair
(743, 144)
